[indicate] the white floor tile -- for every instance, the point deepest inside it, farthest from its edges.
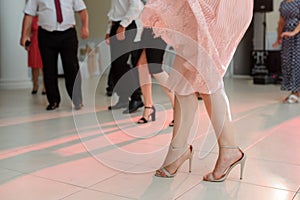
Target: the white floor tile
(33, 188)
(147, 186)
(6, 175)
(230, 190)
(94, 195)
(82, 172)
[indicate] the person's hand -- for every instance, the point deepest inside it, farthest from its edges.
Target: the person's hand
(121, 33)
(276, 43)
(288, 34)
(107, 40)
(84, 32)
(23, 41)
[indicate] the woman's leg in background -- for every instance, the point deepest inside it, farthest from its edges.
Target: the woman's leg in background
(35, 79)
(162, 79)
(145, 84)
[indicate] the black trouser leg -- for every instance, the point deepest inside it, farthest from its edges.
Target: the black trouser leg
(49, 53)
(120, 52)
(135, 56)
(68, 52)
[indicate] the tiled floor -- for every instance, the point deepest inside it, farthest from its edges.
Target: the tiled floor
(95, 154)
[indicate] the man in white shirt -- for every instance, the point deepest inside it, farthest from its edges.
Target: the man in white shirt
(121, 33)
(57, 35)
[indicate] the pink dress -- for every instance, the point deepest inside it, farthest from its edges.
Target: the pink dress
(204, 34)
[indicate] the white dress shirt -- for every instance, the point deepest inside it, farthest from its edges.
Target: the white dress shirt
(45, 9)
(125, 11)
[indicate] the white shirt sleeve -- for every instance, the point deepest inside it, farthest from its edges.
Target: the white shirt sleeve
(79, 5)
(31, 7)
(134, 11)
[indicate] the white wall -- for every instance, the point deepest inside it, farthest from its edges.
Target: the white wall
(97, 10)
(273, 17)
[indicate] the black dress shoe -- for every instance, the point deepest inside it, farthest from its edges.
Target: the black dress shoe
(109, 93)
(33, 92)
(52, 106)
(78, 106)
(118, 105)
(133, 106)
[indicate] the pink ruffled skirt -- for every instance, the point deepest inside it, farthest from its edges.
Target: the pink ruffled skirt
(204, 34)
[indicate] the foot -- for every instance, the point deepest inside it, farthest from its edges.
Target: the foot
(171, 170)
(34, 89)
(149, 111)
(133, 106)
(52, 106)
(171, 123)
(292, 98)
(118, 105)
(227, 157)
(109, 91)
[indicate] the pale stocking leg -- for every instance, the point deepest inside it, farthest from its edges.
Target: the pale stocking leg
(185, 109)
(217, 106)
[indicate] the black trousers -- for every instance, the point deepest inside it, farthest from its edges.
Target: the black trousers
(154, 49)
(65, 43)
(123, 78)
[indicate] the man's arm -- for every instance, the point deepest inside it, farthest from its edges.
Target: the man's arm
(84, 17)
(26, 29)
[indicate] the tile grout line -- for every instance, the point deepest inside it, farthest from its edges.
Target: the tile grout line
(297, 192)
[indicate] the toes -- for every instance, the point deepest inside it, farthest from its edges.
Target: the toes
(160, 173)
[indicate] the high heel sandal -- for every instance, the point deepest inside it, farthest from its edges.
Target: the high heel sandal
(171, 123)
(291, 99)
(164, 173)
(143, 120)
(210, 177)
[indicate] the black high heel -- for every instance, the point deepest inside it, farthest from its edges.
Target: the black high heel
(143, 120)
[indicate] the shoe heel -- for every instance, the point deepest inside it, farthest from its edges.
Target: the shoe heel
(153, 114)
(243, 161)
(191, 158)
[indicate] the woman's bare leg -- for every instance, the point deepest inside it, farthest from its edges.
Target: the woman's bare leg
(217, 106)
(145, 84)
(35, 78)
(185, 109)
(162, 79)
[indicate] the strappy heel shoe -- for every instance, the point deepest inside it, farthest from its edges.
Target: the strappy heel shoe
(210, 177)
(291, 99)
(171, 123)
(151, 116)
(164, 173)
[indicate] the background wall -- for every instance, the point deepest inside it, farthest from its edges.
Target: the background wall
(97, 10)
(273, 17)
